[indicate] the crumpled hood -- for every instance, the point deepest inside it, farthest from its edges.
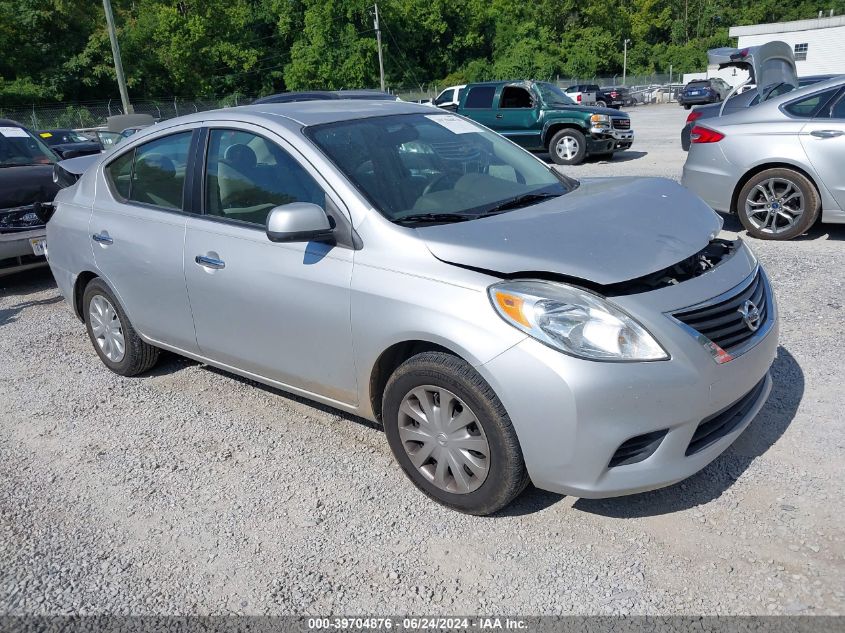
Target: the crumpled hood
(24, 185)
(606, 231)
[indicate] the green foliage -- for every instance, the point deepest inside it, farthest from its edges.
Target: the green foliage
(59, 50)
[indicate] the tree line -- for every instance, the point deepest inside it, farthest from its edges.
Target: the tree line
(58, 50)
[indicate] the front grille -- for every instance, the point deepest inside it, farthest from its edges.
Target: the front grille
(637, 448)
(717, 426)
(724, 323)
(621, 124)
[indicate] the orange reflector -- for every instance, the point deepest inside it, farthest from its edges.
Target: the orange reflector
(512, 306)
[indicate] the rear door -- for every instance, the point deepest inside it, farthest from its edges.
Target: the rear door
(479, 105)
(823, 138)
(137, 230)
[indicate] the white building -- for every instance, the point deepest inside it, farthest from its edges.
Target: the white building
(818, 44)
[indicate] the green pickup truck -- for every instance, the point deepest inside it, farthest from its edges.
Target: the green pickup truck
(540, 117)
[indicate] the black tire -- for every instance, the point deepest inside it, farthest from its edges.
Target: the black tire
(506, 476)
(798, 181)
(138, 356)
(601, 104)
(579, 139)
(687, 107)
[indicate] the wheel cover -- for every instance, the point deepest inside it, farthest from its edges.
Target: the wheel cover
(443, 439)
(107, 329)
(567, 147)
(774, 205)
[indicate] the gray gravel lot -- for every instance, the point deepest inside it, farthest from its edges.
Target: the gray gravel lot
(192, 491)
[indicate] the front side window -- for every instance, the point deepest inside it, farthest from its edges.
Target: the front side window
(158, 174)
(516, 97)
(247, 175)
(445, 97)
(480, 97)
(439, 167)
(806, 107)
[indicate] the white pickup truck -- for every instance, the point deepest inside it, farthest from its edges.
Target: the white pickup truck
(581, 95)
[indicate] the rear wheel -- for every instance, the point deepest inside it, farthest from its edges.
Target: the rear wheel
(451, 435)
(778, 204)
(568, 147)
(601, 104)
(115, 340)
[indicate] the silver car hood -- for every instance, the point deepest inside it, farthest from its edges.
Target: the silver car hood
(606, 231)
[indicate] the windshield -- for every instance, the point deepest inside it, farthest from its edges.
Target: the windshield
(435, 167)
(552, 95)
(18, 147)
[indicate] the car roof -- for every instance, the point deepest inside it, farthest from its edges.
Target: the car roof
(9, 123)
(308, 113)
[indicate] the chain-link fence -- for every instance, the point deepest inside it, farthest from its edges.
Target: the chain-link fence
(81, 115)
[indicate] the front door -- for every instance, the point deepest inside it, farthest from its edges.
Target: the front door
(277, 310)
(517, 116)
(137, 230)
(823, 139)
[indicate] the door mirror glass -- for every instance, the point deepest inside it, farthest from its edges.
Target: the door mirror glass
(298, 222)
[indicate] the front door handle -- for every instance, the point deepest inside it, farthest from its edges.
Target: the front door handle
(826, 133)
(102, 238)
(210, 262)
(500, 116)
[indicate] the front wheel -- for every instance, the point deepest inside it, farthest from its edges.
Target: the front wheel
(778, 204)
(568, 147)
(451, 435)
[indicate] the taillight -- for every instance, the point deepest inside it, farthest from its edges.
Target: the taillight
(700, 134)
(614, 94)
(695, 114)
(579, 98)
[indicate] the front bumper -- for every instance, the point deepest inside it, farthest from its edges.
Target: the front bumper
(612, 139)
(16, 251)
(572, 416)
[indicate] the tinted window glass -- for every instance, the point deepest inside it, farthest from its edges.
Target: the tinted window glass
(480, 97)
(119, 172)
(445, 97)
(19, 147)
(806, 106)
(158, 176)
(247, 175)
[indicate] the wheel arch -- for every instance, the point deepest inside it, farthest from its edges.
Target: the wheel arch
(771, 165)
(553, 128)
(390, 359)
(79, 285)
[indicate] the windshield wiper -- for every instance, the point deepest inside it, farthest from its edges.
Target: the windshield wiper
(435, 218)
(519, 201)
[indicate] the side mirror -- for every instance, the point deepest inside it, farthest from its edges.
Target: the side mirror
(299, 222)
(70, 153)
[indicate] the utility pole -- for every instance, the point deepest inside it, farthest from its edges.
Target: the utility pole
(118, 65)
(378, 38)
(625, 61)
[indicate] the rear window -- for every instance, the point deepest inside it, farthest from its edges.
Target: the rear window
(480, 97)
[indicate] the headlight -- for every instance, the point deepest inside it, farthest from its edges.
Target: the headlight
(574, 321)
(600, 120)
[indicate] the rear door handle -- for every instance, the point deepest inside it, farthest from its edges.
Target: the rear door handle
(500, 116)
(826, 133)
(102, 238)
(210, 262)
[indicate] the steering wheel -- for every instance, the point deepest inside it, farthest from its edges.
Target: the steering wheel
(441, 182)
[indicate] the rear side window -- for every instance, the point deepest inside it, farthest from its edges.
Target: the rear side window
(480, 97)
(120, 172)
(838, 109)
(806, 107)
(158, 177)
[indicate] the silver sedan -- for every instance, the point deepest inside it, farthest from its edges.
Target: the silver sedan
(778, 165)
(504, 323)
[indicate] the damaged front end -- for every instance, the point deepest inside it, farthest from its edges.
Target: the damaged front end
(24, 218)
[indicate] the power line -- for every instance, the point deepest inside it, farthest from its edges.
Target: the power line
(393, 39)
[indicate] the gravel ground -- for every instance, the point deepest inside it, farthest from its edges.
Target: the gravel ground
(192, 491)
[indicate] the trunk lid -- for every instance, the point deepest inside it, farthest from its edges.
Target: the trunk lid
(768, 65)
